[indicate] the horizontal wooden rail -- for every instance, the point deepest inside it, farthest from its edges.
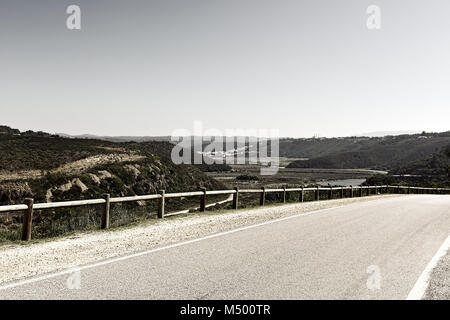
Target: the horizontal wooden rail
(294, 189)
(12, 208)
(251, 190)
(215, 192)
(30, 206)
(67, 204)
(135, 198)
(184, 194)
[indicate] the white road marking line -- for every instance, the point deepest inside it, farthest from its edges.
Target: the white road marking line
(422, 283)
(138, 254)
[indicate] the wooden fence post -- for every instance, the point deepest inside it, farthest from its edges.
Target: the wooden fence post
(161, 206)
(330, 193)
(302, 195)
(105, 212)
(368, 191)
(317, 194)
(361, 191)
(284, 195)
(409, 190)
(27, 220)
(342, 192)
(203, 200)
(236, 198)
(351, 191)
(262, 198)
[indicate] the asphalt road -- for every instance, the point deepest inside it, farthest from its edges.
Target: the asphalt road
(322, 255)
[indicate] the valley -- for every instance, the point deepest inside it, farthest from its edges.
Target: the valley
(52, 168)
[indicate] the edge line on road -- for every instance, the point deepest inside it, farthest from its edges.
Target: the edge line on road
(150, 251)
(421, 285)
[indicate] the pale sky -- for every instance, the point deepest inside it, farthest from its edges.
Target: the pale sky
(150, 67)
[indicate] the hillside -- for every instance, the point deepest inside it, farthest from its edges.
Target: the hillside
(375, 153)
(52, 168)
(431, 171)
(358, 152)
(437, 164)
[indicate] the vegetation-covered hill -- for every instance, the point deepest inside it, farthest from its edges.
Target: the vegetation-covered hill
(51, 168)
(347, 152)
(430, 171)
(28, 152)
(383, 153)
(436, 164)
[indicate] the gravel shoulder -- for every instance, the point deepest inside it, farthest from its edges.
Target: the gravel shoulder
(439, 286)
(23, 261)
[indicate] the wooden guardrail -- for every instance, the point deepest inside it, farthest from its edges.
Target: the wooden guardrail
(29, 206)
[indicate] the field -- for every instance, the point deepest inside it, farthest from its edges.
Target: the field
(248, 176)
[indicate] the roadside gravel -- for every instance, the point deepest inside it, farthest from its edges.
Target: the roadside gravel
(439, 287)
(23, 261)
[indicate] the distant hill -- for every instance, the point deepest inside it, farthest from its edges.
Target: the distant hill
(432, 171)
(383, 153)
(436, 164)
(388, 133)
(117, 138)
(8, 130)
(344, 160)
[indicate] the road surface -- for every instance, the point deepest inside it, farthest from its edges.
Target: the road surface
(321, 255)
